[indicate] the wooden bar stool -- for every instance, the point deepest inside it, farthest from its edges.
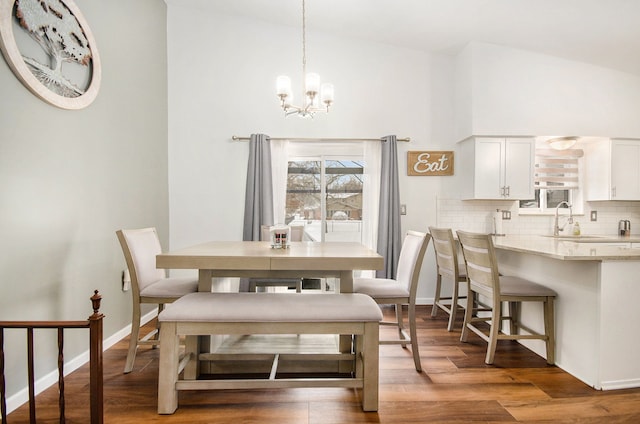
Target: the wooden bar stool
(484, 280)
(449, 268)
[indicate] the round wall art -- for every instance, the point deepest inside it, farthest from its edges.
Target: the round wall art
(50, 48)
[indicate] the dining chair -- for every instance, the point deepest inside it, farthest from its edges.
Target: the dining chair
(448, 267)
(400, 291)
(484, 280)
(149, 285)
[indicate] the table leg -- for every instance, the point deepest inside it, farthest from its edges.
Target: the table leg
(346, 281)
(345, 343)
(204, 280)
(192, 346)
(204, 285)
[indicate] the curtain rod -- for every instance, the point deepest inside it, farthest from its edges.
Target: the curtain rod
(237, 138)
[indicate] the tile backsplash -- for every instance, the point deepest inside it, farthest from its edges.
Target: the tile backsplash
(476, 216)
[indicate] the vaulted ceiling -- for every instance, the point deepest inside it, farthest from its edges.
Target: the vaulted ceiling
(600, 32)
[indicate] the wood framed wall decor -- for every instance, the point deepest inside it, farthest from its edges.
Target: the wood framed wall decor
(429, 163)
(51, 50)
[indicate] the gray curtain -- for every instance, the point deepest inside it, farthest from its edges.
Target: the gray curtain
(389, 236)
(258, 203)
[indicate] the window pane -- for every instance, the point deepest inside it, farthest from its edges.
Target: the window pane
(554, 197)
(532, 203)
(344, 190)
(343, 200)
(303, 191)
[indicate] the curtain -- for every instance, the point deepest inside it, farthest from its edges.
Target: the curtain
(389, 236)
(258, 204)
(279, 167)
(557, 169)
(370, 199)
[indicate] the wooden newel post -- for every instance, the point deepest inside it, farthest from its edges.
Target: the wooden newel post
(95, 353)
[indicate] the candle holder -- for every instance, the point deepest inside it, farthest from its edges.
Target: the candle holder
(280, 236)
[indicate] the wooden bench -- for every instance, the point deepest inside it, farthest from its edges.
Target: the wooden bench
(206, 313)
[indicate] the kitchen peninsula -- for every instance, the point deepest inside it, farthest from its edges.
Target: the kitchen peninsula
(597, 313)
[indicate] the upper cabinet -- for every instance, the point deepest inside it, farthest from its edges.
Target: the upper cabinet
(613, 170)
(497, 168)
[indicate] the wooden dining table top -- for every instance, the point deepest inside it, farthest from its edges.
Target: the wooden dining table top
(259, 255)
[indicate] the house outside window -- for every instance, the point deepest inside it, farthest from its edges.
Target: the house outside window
(326, 195)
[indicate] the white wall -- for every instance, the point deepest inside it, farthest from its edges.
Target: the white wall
(222, 73)
(515, 92)
(70, 179)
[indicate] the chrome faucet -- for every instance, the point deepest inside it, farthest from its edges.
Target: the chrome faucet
(556, 227)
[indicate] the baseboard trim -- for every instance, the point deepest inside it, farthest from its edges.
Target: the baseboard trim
(620, 384)
(43, 383)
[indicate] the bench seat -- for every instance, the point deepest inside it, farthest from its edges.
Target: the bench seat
(204, 313)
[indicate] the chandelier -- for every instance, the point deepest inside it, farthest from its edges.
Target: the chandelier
(317, 97)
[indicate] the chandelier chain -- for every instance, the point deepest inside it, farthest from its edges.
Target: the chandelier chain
(304, 40)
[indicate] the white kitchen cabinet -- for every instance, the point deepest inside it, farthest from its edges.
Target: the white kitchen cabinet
(613, 170)
(497, 168)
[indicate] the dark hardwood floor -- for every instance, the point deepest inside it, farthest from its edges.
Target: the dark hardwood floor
(455, 387)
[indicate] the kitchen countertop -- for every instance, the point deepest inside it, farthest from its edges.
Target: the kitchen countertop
(584, 248)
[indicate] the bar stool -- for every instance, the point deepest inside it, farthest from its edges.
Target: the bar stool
(484, 280)
(448, 267)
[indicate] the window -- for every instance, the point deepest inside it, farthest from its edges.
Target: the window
(326, 195)
(557, 176)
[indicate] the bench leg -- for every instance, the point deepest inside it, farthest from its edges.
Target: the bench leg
(370, 365)
(168, 368)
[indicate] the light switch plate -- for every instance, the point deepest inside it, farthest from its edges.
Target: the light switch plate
(403, 209)
(506, 215)
(594, 215)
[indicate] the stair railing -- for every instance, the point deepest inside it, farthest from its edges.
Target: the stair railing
(94, 324)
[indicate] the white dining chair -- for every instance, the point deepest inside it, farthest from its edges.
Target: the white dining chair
(149, 285)
(400, 291)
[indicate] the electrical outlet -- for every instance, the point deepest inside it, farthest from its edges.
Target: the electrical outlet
(506, 215)
(126, 280)
(403, 209)
(594, 215)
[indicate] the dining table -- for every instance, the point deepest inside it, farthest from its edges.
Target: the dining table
(246, 259)
(216, 260)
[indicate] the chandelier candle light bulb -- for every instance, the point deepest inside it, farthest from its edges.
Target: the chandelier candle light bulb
(312, 82)
(283, 86)
(326, 93)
